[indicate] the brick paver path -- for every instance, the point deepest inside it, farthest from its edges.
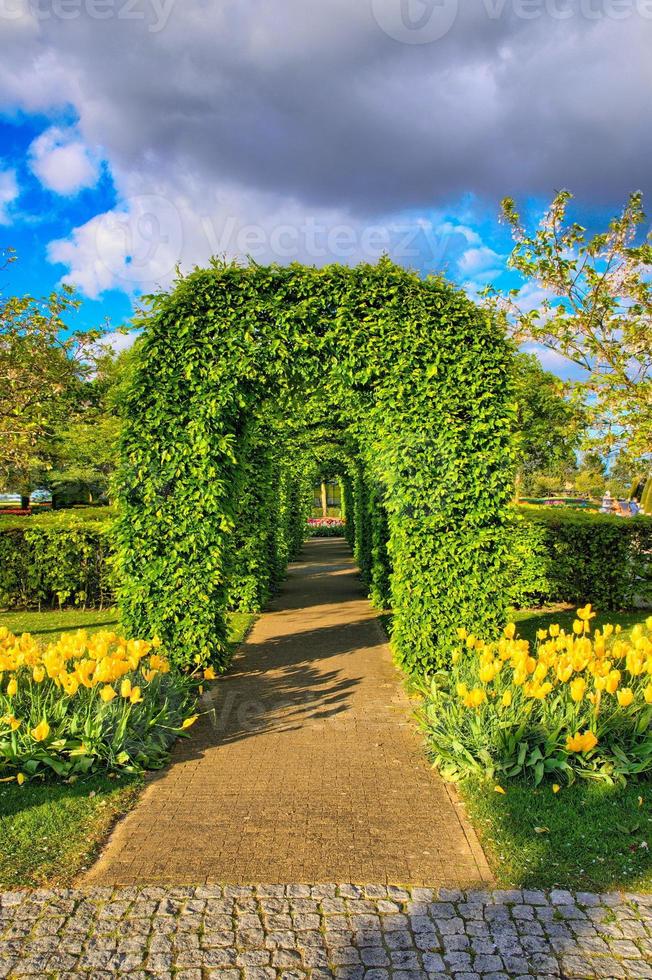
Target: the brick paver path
(309, 769)
(348, 932)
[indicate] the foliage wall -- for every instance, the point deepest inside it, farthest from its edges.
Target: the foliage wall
(55, 560)
(250, 376)
(564, 555)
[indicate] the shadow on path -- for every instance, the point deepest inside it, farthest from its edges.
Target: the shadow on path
(306, 766)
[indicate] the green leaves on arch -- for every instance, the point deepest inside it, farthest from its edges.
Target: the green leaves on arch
(248, 378)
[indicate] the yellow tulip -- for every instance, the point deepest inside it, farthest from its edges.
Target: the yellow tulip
(149, 675)
(556, 787)
(510, 631)
(564, 671)
(554, 630)
(41, 732)
(578, 689)
(70, 684)
(38, 674)
(635, 663)
(20, 778)
(125, 688)
(488, 672)
(499, 789)
(507, 699)
(12, 687)
(135, 697)
(585, 613)
(462, 690)
(578, 627)
(581, 743)
(542, 634)
(189, 721)
(647, 694)
(107, 693)
(475, 698)
(209, 674)
(625, 697)
(12, 722)
(612, 681)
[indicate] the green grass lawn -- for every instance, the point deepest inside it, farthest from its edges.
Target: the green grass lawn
(50, 832)
(531, 620)
(592, 839)
(51, 624)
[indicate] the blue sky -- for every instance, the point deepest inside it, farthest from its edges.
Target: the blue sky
(161, 133)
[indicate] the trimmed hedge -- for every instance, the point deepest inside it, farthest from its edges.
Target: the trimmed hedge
(55, 560)
(416, 381)
(577, 556)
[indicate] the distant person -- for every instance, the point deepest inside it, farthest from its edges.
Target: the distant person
(607, 504)
(634, 507)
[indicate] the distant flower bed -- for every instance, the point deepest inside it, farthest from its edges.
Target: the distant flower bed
(326, 527)
(575, 705)
(88, 703)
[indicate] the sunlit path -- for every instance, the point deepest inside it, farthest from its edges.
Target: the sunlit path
(309, 768)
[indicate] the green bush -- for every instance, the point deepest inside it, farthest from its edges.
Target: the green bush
(405, 379)
(56, 559)
(560, 555)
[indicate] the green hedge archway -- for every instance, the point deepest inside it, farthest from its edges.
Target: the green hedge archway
(248, 379)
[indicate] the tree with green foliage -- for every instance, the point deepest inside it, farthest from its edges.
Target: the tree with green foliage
(549, 426)
(597, 313)
(42, 364)
(84, 450)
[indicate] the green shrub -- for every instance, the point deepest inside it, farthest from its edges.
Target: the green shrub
(404, 379)
(56, 559)
(560, 555)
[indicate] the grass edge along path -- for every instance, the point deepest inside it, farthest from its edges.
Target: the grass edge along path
(587, 837)
(51, 831)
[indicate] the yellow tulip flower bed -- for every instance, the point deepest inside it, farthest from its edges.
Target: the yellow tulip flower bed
(86, 703)
(576, 703)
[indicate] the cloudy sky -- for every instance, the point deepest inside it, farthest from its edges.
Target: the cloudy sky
(138, 134)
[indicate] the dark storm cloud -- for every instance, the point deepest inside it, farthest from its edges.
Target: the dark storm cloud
(338, 105)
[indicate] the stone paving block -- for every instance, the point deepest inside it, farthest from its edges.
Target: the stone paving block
(177, 935)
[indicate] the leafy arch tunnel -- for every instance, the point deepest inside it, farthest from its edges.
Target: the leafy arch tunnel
(254, 379)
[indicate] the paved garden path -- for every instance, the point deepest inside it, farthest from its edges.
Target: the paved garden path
(308, 769)
(296, 932)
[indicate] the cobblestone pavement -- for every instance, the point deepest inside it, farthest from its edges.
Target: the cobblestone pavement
(347, 931)
(309, 766)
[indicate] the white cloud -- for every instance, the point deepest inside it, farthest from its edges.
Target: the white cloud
(8, 194)
(480, 260)
(62, 162)
(452, 228)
